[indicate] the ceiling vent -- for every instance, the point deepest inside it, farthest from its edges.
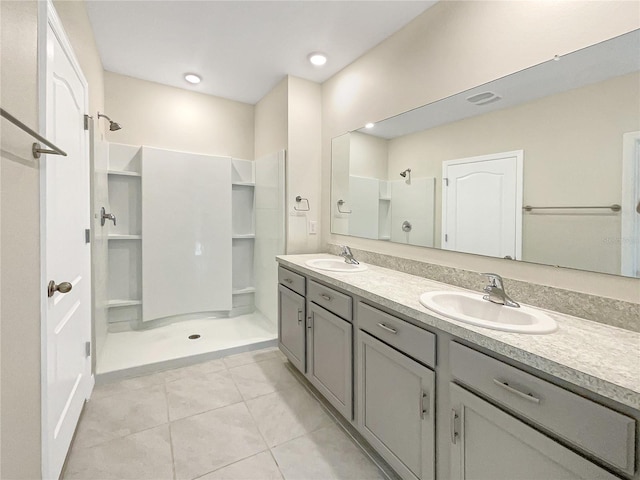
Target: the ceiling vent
(483, 98)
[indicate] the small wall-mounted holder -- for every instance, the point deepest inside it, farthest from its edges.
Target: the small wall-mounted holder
(340, 204)
(300, 199)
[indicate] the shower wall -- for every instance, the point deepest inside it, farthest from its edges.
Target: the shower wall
(186, 232)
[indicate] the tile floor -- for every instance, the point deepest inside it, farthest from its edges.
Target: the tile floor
(241, 417)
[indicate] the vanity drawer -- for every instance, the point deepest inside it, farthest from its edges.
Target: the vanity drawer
(331, 299)
(407, 338)
(292, 280)
(597, 429)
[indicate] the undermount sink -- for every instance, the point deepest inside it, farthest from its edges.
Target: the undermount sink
(473, 309)
(335, 265)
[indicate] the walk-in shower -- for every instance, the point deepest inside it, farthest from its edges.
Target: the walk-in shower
(191, 267)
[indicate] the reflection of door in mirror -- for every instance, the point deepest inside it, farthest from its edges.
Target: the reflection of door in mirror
(630, 238)
(482, 205)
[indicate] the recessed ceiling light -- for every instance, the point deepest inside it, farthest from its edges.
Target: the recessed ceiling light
(317, 58)
(192, 78)
(369, 125)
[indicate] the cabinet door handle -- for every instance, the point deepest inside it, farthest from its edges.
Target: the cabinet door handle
(300, 316)
(526, 396)
(424, 410)
(453, 425)
(288, 280)
(326, 297)
(309, 322)
(388, 329)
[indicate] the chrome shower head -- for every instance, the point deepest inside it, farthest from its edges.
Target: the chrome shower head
(404, 174)
(113, 126)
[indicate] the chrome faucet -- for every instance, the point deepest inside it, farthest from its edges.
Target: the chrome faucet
(348, 256)
(495, 291)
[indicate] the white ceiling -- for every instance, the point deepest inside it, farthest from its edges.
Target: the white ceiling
(241, 49)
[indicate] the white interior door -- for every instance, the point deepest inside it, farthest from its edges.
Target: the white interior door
(630, 247)
(482, 205)
(66, 362)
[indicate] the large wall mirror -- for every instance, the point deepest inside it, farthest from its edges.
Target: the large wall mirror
(541, 166)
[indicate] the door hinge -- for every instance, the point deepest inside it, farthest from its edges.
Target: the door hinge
(87, 235)
(86, 121)
(87, 349)
(446, 237)
(455, 423)
(446, 182)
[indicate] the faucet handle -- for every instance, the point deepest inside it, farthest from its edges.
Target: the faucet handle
(494, 279)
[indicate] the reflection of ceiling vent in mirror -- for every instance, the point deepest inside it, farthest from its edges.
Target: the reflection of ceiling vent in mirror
(484, 98)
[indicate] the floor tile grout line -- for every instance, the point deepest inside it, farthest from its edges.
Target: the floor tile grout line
(173, 458)
(276, 462)
(232, 463)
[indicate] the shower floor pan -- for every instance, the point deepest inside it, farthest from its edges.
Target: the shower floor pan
(137, 352)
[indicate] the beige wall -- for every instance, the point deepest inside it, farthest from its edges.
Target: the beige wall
(572, 146)
(368, 156)
(271, 117)
(289, 117)
(167, 117)
(303, 163)
(454, 46)
(19, 247)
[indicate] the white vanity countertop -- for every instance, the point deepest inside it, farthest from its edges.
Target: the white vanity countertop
(600, 358)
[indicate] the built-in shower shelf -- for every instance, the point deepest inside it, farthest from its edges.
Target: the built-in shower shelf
(244, 184)
(244, 236)
(123, 303)
(124, 237)
(123, 173)
(241, 291)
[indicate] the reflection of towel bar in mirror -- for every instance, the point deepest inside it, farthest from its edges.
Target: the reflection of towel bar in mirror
(301, 199)
(614, 208)
(340, 203)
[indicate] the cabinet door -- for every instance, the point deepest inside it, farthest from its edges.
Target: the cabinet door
(396, 411)
(488, 443)
(291, 326)
(330, 358)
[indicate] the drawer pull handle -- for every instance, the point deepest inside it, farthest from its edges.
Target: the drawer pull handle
(526, 396)
(388, 329)
(288, 280)
(326, 297)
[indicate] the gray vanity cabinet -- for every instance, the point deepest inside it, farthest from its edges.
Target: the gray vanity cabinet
(292, 326)
(396, 408)
(329, 345)
(487, 443)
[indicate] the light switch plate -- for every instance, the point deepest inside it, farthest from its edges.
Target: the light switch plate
(313, 227)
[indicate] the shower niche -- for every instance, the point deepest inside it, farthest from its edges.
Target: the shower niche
(184, 238)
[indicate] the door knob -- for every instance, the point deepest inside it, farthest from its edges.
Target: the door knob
(64, 287)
